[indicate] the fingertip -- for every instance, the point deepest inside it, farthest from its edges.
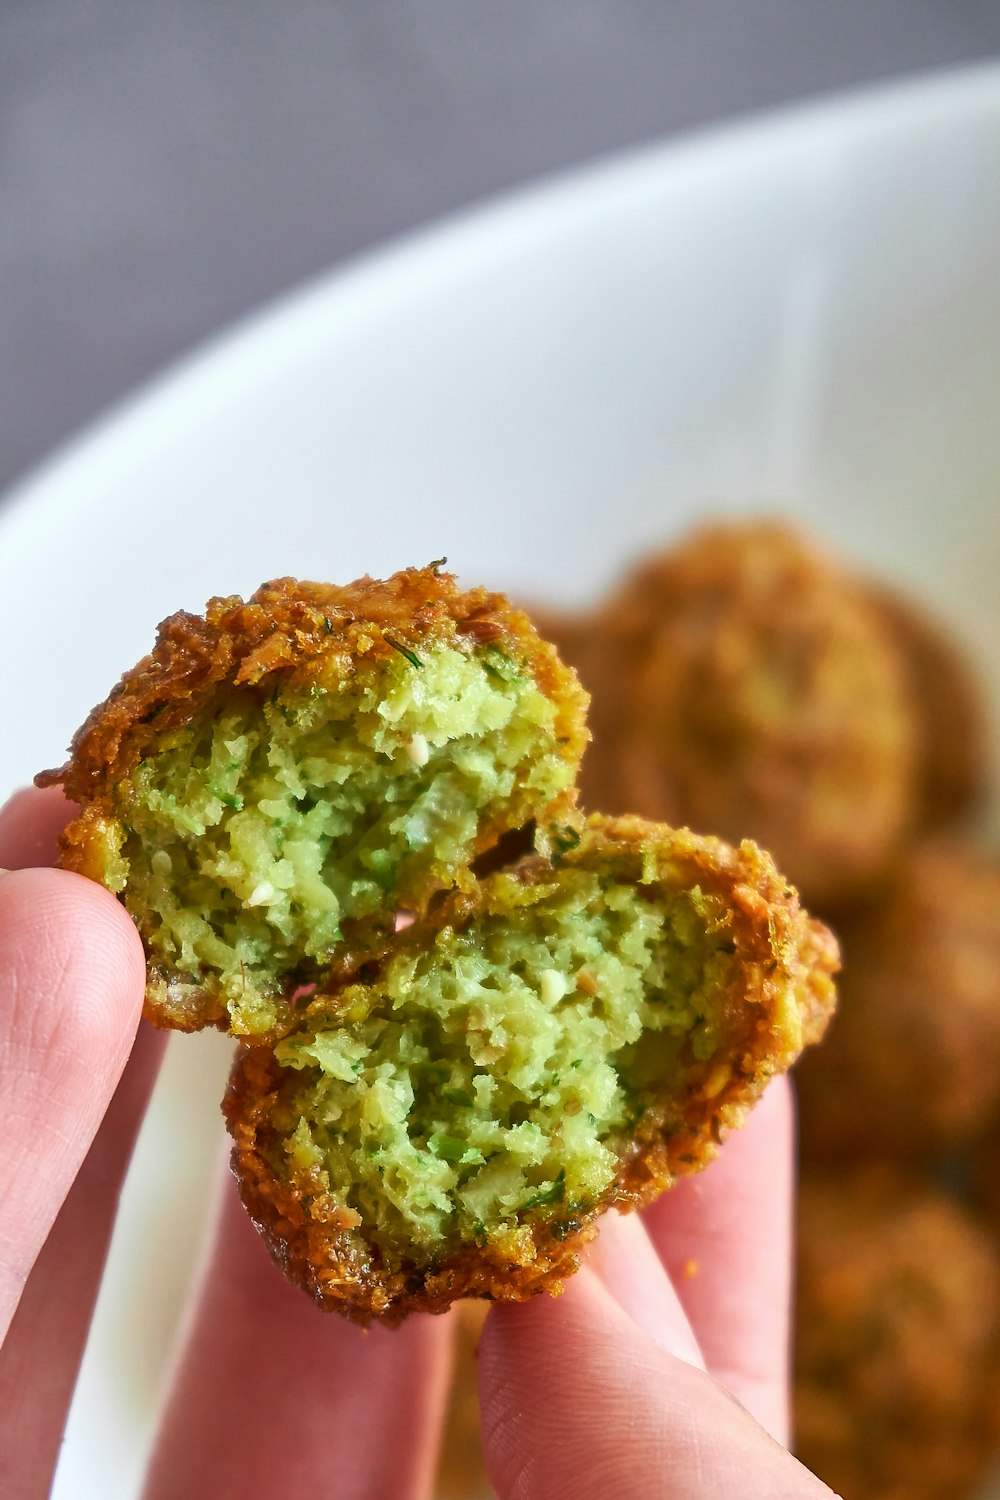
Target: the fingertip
(72, 977)
(69, 950)
(776, 1109)
(724, 1236)
(578, 1403)
(624, 1257)
(30, 825)
(539, 1360)
(566, 1385)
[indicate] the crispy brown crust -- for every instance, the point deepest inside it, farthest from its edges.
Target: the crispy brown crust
(741, 681)
(288, 626)
(783, 1000)
(297, 630)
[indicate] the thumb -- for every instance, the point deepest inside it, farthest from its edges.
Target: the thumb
(578, 1401)
(71, 983)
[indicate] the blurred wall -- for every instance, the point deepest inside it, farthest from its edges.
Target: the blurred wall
(165, 165)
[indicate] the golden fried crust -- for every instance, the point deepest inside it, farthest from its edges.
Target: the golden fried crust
(290, 626)
(743, 682)
(299, 631)
(781, 999)
(898, 1338)
(913, 1061)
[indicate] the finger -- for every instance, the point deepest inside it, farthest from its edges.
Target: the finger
(41, 1356)
(625, 1260)
(275, 1398)
(578, 1404)
(72, 975)
(30, 825)
(725, 1239)
(71, 983)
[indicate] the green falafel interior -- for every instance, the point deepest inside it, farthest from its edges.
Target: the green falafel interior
(255, 834)
(277, 780)
(493, 1076)
(442, 1111)
(570, 1035)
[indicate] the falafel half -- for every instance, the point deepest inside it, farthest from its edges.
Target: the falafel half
(277, 779)
(566, 1036)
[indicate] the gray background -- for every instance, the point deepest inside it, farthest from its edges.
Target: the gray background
(165, 165)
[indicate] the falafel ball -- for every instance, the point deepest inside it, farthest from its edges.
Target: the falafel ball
(952, 737)
(912, 1065)
(898, 1333)
(278, 778)
(570, 1035)
(744, 683)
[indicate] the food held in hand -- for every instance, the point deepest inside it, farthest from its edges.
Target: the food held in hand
(439, 1107)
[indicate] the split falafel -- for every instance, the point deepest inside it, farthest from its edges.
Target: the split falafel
(442, 1110)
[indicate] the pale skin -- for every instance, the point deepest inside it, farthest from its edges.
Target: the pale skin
(660, 1372)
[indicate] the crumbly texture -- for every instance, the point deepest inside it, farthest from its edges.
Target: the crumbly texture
(277, 779)
(898, 1335)
(568, 1036)
(743, 683)
(912, 1064)
(439, 1110)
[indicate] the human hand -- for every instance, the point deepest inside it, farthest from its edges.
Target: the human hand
(273, 1399)
(625, 1385)
(604, 1390)
(71, 983)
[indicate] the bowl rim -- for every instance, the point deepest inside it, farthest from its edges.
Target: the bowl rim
(280, 329)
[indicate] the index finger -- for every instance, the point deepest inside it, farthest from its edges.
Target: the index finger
(725, 1240)
(71, 982)
(30, 825)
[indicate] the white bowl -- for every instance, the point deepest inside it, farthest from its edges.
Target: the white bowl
(802, 315)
